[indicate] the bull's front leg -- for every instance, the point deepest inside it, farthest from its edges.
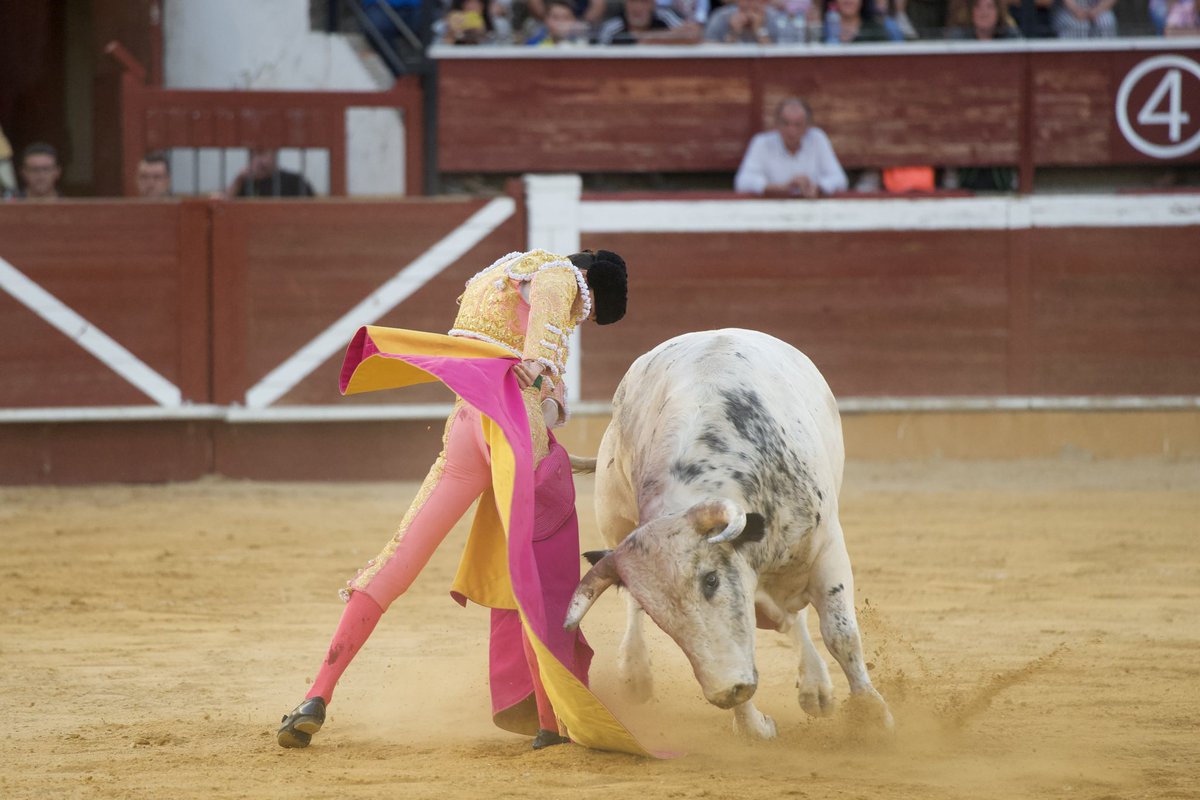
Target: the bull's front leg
(748, 721)
(832, 595)
(815, 687)
(633, 658)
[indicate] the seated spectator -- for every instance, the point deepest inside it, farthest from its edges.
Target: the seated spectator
(641, 21)
(590, 12)
(896, 22)
(1085, 19)
(802, 20)
(40, 172)
(1034, 18)
(848, 21)
(154, 175)
(794, 160)
(1182, 19)
(560, 26)
(697, 11)
(467, 22)
(8, 178)
(928, 17)
(987, 23)
(263, 178)
(746, 21)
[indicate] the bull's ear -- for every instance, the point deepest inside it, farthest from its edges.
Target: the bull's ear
(595, 555)
(755, 530)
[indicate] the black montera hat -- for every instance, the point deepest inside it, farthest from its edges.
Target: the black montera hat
(606, 277)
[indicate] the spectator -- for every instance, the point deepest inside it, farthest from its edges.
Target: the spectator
(1182, 19)
(1034, 18)
(154, 175)
(560, 26)
(697, 11)
(928, 17)
(589, 11)
(644, 21)
(263, 178)
(1085, 19)
(40, 172)
(849, 21)
(746, 21)
(896, 22)
(987, 23)
(466, 23)
(794, 160)
(8, 178)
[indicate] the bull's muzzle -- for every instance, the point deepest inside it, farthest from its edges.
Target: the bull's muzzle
(733, 696)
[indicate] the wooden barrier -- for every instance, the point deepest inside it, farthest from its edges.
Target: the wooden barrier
(662, 109)
(120, 365)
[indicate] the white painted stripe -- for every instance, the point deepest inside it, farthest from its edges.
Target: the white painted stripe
(439, 411)
(815, 50)
(344, 413)
(187, 411)
(88, 336)
(408, 280)
(929, 214)
(875, 405)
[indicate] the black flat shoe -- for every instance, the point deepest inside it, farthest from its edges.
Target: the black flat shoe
(299, 726)
(547, 738)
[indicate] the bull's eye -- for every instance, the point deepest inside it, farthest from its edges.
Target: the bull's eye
(709, 584)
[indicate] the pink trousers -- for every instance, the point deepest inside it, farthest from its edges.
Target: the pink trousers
(461, 473)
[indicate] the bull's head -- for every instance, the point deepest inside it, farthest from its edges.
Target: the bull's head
(686, 572)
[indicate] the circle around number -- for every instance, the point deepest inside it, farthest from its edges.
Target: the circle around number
(1127, 129)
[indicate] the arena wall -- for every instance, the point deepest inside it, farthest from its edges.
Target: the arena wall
(164, 341)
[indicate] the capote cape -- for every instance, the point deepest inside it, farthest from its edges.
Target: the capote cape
(521, 558)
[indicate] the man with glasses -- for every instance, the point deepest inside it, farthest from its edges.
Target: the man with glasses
(40, 172)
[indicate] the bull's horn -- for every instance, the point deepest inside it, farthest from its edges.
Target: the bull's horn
(580, 465)
(591, 586)
(722, 513)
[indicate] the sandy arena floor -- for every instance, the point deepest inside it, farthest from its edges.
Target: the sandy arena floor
(1035, 627)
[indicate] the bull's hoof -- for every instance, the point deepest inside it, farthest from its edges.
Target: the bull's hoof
(816, 698)
(547, 738)
(299, 726)
(637, 686)
(869, 708)
(753, 724)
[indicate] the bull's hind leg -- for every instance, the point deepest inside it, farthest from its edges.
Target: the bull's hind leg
(633, 658)
(831, 590)
(748, 721)
(815, 687)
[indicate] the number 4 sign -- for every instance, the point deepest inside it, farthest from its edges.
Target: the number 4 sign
(1161, 125)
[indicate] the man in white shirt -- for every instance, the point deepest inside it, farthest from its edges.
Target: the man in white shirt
(794, 160)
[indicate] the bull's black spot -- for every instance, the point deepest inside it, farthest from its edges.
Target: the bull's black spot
(610, 461)
(836, 589)
(755, 530)
(773, 477)
(711, 439)
(688, 472)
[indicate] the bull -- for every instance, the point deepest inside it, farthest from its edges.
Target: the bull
(717, 487)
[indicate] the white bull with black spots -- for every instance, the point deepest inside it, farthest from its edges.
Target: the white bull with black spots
(717, 487)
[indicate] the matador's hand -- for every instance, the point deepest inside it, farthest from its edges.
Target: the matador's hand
(527, 372)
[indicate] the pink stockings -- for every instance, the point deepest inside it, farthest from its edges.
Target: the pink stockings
(461, 473)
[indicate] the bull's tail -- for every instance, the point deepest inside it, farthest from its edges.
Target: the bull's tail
(581, 465)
